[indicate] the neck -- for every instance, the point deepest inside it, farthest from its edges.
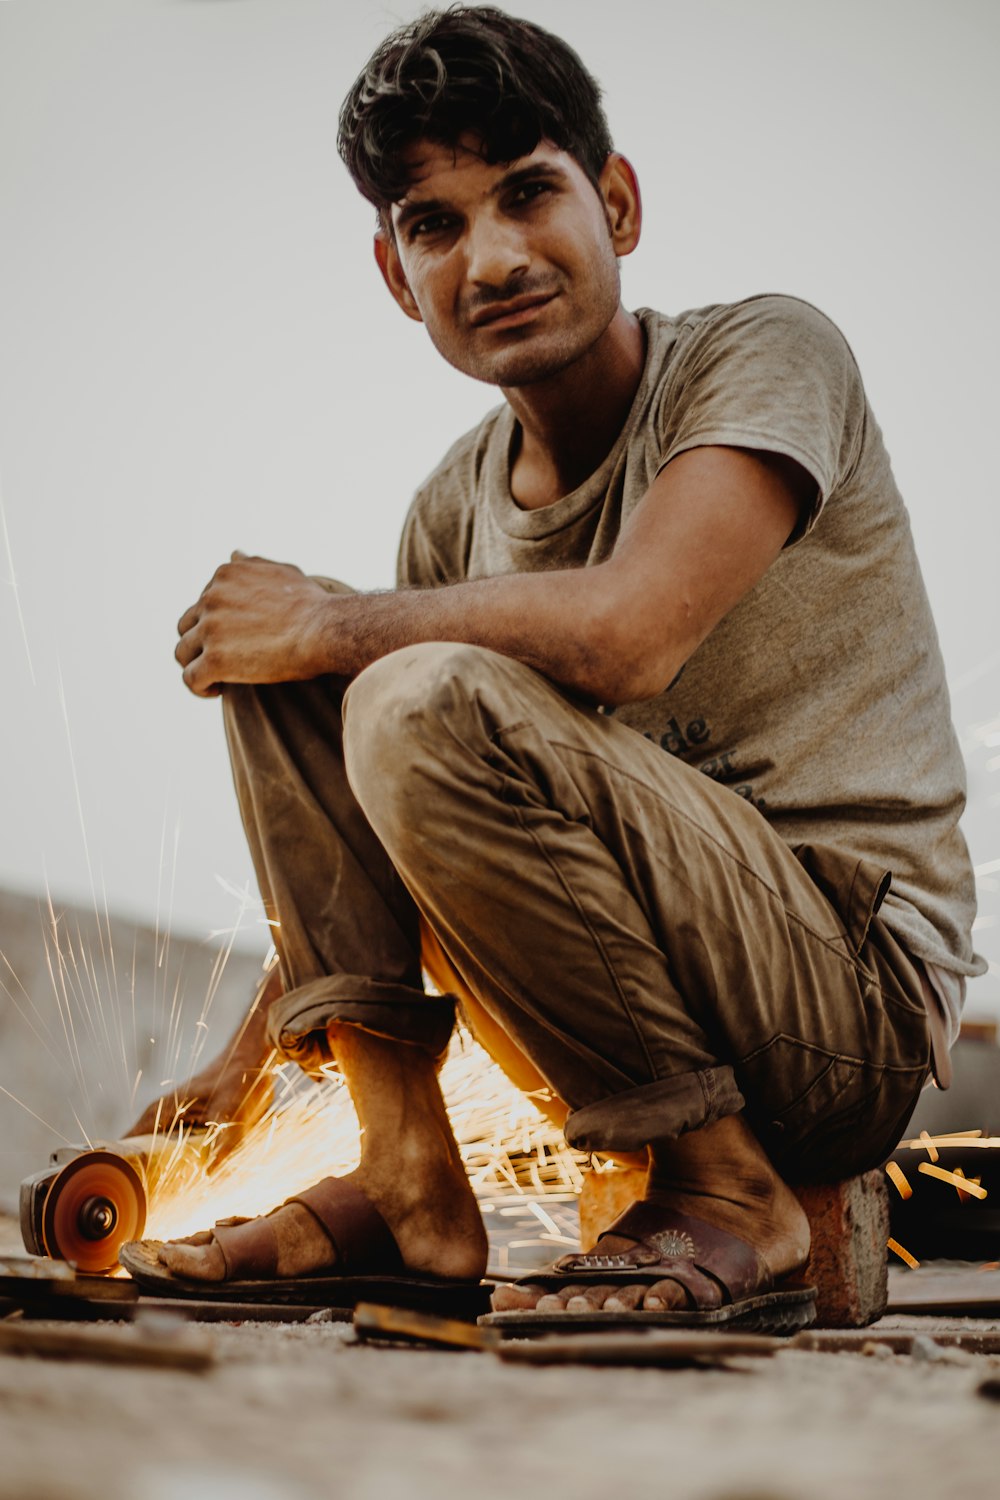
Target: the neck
(570, 423)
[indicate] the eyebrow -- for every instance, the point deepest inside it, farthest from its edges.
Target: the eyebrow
(416, 208)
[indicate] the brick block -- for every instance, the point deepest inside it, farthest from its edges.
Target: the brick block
(849, 1223)
(848, 1263)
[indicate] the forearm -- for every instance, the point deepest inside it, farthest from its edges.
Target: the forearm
(558, 623)
(614, 632)
(588, 628)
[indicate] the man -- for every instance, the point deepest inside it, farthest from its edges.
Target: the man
(630, 753)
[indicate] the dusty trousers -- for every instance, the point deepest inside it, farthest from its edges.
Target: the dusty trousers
(634, 929)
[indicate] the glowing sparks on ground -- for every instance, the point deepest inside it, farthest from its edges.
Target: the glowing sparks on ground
(929, 1145)
(904, 1255)
(965, 1194)
(967, 1186)
(899, 1180)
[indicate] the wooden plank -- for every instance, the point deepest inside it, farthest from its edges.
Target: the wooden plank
(126, 1348)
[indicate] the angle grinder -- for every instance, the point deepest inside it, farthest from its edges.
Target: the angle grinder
(91, 1200)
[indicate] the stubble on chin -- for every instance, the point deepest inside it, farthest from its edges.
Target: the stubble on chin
(516, 365)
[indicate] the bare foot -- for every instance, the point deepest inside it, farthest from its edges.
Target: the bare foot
(434, 1219)
(411, 1171)
(724, 1180)
(235, 1088)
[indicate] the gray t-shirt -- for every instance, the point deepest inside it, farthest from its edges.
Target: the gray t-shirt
(821, 696)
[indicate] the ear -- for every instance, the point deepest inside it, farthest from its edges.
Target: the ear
(389, 263)
(619, 187)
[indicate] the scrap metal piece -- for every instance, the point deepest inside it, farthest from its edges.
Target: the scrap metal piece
(659, 1347)
(373, 1322)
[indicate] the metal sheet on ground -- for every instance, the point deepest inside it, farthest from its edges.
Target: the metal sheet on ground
(961, 1288)
(659, 1348)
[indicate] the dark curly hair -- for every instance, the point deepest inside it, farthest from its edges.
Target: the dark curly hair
(468, 68)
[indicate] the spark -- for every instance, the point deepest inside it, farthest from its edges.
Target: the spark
(963, 1194)
(898, 1179)
(513, 1156)
(31, 1112)
(12, 581)
(963, 1183)
(45, 1038)
(904, 1255)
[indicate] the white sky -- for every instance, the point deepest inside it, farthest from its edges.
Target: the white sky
(197, 353)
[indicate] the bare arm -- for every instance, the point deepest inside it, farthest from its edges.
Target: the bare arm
(710, 525)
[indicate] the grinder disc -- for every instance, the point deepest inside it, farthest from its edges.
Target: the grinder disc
(95, 1205)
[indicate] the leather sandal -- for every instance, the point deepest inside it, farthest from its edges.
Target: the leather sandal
(725, 1281)
(367, 1267)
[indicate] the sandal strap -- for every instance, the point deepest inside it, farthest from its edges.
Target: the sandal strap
(675, 1242)
(363, 1240)
(249, 1249)
(702, 1292)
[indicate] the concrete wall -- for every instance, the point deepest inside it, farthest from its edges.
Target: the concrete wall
(75, 1032)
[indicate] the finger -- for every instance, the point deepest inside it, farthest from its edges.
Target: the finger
(198, 680)
(188, 620)
(237, 556)
(187, 649)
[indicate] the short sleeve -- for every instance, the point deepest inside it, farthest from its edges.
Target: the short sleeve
(420, 562)
(773, 374)
(437, 534)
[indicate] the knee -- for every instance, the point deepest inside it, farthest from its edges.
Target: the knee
(404, 714)
(401, 704)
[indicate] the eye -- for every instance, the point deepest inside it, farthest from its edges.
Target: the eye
(528, 191)
(429, 225)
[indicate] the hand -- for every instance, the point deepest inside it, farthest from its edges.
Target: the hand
(256, 621)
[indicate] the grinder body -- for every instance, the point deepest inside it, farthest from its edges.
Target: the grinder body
(91, 1200)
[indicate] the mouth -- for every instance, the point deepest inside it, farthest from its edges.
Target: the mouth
(513, 313)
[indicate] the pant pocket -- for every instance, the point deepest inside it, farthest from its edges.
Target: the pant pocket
(795, 1090)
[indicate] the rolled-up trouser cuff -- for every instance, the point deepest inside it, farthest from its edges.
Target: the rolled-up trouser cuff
(297, 1023)
(659, 1111)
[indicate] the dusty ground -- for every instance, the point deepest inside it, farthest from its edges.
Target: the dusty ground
(297, 1411)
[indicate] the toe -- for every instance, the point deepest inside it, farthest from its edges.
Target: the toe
(624, 1298)
(551, 1302)
(665, 1296)
(587, 1299)
(203, 1237)
(199, 1262)
(515, 1298)
(558, 1301)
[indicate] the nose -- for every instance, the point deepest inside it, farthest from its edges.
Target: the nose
(495, 251)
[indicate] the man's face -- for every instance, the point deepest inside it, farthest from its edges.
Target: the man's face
(513, 268)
